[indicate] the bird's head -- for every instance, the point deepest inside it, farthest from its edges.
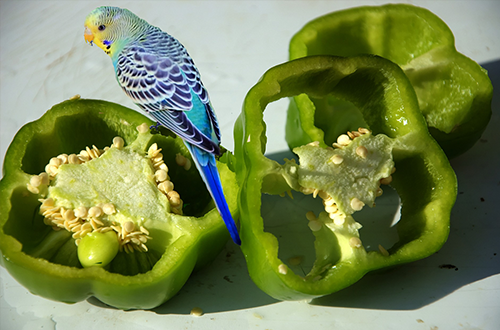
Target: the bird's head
(109, 27)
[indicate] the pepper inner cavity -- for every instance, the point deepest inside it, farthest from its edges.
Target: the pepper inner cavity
(116, 189)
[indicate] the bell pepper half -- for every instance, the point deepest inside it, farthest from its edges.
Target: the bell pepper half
(127, 223)
(454, 93)
(347, 177)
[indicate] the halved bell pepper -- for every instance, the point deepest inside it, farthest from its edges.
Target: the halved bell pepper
(453, 91)
(346, 177)
(110, 210)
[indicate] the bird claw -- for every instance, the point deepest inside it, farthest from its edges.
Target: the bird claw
(155, 127)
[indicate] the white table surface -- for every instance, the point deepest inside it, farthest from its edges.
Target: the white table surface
(44, 60)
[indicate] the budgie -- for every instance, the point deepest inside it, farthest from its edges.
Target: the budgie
(157, 73)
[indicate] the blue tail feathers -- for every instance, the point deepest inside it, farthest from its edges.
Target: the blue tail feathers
(206, 165)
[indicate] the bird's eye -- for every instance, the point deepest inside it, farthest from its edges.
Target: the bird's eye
(101, 27)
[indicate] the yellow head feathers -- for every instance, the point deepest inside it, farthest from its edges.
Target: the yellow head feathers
(110, 27)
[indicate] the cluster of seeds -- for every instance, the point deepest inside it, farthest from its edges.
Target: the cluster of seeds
(329, 204)
(163, 180)
(334, 218)
(38, 183)
(131, 237)
(84, 220)
(344, 140)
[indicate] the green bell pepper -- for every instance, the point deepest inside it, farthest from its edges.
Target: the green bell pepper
(346, 177)
(453, 91)
(111, 210)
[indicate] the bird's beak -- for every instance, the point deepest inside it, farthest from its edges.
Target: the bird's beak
(89, 37)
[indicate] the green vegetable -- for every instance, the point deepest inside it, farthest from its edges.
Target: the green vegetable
(454, 92)
(105, 222)
(98, 249)
(346, 177)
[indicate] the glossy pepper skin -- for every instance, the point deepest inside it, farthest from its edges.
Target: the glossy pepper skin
(424, 178)
(453, 91)
(69, 127)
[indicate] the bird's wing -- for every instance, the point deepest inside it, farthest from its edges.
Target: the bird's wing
(165, 82)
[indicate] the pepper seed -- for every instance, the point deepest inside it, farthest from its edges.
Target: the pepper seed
(356, 204)
(94, 212)
(143, 128)
(283, 269)
(337, 159)
(355, 242)
(361, 151)
(310, 216)
(343, 140)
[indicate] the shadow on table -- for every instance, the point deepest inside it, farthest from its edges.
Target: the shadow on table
(470, 254)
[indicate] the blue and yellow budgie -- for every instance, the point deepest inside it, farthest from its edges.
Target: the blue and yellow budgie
(155, 70)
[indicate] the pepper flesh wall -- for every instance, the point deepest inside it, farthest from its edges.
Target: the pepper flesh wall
(151, 248)
(453, 91)
(398, 139)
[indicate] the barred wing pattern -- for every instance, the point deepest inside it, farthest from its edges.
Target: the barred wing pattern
(158, 74)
